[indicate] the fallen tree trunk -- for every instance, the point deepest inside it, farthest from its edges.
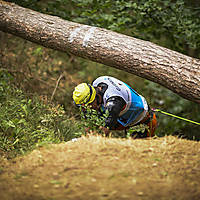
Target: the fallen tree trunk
(173, 70)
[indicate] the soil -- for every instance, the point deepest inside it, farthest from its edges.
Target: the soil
(98, 168)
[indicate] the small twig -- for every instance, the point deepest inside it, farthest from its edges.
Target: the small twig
(57, 83)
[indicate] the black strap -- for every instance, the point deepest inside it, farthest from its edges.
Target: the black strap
(90, 94)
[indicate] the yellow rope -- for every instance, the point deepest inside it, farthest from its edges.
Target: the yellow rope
(166, 113)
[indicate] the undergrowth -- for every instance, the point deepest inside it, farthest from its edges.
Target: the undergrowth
(26, 123)
(92, 121)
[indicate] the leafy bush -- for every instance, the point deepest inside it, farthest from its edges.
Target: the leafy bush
(26, 123)
(92, 120)
(137, 131)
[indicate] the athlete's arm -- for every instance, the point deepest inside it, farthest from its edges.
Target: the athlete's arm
(114, 106)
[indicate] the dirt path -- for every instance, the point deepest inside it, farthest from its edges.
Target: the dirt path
(97, 168)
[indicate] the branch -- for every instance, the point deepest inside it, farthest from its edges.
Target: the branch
(57, 83)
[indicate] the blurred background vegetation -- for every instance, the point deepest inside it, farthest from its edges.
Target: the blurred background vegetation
(43, 79)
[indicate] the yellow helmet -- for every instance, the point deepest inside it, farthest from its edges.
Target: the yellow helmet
(84, 94)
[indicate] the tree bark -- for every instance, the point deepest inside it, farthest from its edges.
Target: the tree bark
(173, 70)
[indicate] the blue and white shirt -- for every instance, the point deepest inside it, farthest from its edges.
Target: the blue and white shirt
(136, 106)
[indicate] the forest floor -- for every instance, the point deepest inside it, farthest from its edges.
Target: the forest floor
(97, 168)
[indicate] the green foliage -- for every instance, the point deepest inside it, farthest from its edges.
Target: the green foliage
(172, 24)
(26, 123)
(38, 51)
(137, 130)
(92, 120)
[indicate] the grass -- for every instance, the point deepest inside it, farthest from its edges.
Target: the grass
(26, 123)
